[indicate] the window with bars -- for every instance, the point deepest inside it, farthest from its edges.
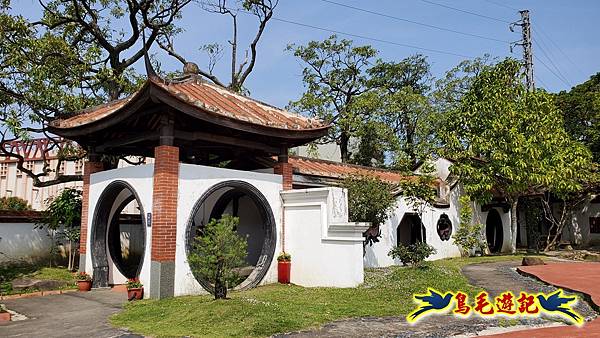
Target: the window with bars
(61, 168)
(30, 165)
(79, 167)
(3, 169)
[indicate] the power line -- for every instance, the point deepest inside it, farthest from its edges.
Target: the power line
(414, 22)
(465, 11)
(501, 5)
(551, 62)
(537, 78)
(370, 38)
(537, 29)
(363, 36)
(551, 71)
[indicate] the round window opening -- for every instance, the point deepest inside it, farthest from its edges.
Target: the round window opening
(444, 227)
(256, 223)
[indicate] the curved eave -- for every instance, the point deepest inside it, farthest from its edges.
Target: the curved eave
(151, 91)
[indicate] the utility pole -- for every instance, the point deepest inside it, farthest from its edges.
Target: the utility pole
(526, 43)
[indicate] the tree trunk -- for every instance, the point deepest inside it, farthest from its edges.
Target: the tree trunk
(513, 225)
(69, 264)
(344, 147)
(220, 285)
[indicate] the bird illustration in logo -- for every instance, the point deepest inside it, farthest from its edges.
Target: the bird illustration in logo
(433, 301)
(556, 302)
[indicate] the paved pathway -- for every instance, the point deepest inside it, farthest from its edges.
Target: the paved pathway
(74, 314)
(582, 277)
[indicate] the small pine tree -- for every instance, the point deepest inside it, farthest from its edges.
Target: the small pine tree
(217, 253)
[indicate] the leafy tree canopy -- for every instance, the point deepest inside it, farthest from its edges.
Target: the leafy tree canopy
(581, 111)
(511, 141)
(334, 77)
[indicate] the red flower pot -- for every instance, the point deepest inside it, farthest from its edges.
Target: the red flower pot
(4, 316)
(84, 285)
(135, 293)
(283, 272)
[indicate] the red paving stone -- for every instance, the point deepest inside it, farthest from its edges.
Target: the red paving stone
(581, 277)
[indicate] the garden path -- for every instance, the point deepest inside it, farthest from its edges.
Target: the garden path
(73, 314)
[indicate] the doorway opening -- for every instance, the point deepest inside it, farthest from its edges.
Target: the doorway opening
(410, 230)
(118, 233)
(494, 232)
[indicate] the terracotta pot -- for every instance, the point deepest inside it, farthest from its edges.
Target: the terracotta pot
(135, 293)
(283, 272)
(84, 285)
(4, 316)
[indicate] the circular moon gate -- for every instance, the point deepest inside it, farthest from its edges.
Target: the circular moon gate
(106, 233)
(238, 198)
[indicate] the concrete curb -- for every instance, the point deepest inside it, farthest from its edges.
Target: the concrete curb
(38, 294)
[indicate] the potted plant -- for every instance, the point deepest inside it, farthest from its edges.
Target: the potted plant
(84, 281)
(4, 315)
(135, 289)
(284, 267)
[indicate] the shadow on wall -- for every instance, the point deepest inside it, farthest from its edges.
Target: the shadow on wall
(22, 243)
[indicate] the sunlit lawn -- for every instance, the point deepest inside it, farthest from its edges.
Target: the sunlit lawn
(9, 273)
(276, 308)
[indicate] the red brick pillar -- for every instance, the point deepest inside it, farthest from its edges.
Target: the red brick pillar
(90, 167)
(284, 169)
(164, 221)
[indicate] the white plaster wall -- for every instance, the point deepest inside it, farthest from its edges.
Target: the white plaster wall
(441, 167)
(377, 254)
(141, 179)
(580, 220)
(321, 256)
(22, 242)
(194, 180)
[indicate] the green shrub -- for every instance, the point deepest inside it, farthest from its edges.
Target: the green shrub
(468, 236)
(369, 200)
(14, 204)
(413, 254)
(217, 253)
(62, 218)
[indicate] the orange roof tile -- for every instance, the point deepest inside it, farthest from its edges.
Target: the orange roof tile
(323, 168)
(209, 97)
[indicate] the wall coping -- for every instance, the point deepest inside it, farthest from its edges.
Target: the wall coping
(26, 216)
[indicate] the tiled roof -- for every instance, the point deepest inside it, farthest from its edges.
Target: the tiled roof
(330, 169)
(91, 114)
(210, 98)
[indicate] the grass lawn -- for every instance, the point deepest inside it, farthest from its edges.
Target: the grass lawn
(9, 273)
(277, 308)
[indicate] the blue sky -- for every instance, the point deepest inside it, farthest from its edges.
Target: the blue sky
(571, 25)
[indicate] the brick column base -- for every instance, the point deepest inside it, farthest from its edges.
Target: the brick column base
(164, 221)
(89, 168)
